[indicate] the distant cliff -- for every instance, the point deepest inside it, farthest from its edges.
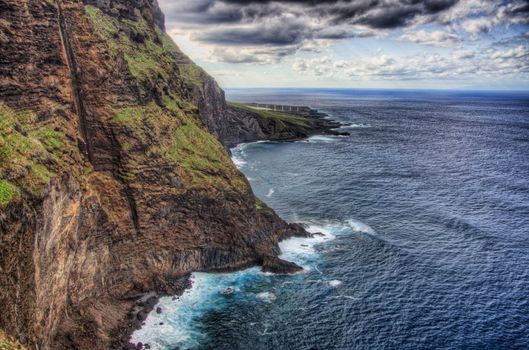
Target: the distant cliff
(248, 124)
(113, 181)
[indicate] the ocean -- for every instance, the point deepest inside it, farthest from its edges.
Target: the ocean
(425, 211)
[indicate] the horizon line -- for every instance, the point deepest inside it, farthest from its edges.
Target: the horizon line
(378, 88)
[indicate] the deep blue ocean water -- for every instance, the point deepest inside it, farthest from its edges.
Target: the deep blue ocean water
(425, 207)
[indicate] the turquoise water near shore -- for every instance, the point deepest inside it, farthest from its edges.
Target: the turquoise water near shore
(425, 207)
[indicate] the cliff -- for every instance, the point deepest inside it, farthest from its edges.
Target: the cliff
(248, 124)
(113, 181)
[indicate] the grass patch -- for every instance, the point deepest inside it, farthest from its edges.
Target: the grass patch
(105, 26)
(174, 133)
(8, 192)
(202, 157)
(259, 204)
(192, 73)
(29, 154)
(144, 67)
(283, 117)
(51, 139)
(149, 60)
(5, 23)
(129, 115)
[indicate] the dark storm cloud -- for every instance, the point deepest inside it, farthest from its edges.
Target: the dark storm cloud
(373, 13)
(263, 34)
(517, 12)
(290, 22)
(385, 14)
(280, 26)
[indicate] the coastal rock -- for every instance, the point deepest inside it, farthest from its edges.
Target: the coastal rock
(273, 264)
(248, 125)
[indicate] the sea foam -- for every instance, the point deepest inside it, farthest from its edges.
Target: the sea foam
(178, 326)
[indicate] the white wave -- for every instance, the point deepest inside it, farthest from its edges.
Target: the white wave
(181, 328)
(300, 249)
(267, 297)
(335, 283)
(238, 155)
(354, 126)
(344, 297)
(358, 226)
(238, 161)
(270, 193)
(321, 139)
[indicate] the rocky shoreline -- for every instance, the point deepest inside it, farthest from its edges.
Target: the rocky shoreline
(250, 125)
(145, 303)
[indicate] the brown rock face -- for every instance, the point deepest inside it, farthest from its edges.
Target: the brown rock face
(111, 184)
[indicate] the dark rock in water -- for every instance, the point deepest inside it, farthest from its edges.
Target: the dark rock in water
(158, 310)
(142, 315)
(279, 266)
(139, 346)
(299, 230)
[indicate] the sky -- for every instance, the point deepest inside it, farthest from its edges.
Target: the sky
(429, 44)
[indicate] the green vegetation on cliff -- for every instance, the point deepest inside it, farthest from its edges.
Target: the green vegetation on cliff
(150, 54)
(175, 134)
(170, 130)
(7, 192)
(266, 114)
(29, 154)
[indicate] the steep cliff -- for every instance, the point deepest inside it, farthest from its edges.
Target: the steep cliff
(113, 182)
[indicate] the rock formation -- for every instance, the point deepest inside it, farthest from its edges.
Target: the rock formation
(246, 124)
(113, 181)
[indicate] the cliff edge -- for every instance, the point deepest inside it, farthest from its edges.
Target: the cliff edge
(113, 181)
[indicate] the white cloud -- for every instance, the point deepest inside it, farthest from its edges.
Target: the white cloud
(465, 8)
(316, 66)
(479, 25)
(463, 54)
(514, 53)
(461, 64)
(435, 38)
(300, 65)
(249, 55)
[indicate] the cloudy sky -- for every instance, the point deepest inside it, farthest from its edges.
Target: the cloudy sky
(356, 43)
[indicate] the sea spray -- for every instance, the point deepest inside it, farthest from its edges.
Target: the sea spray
(179, 325)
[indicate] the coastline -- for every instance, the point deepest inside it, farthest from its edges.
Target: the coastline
(143, 306)
(209, 289)
(247, 125)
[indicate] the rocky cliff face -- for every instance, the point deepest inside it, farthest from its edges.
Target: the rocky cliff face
(112, 182)
(245, 124)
